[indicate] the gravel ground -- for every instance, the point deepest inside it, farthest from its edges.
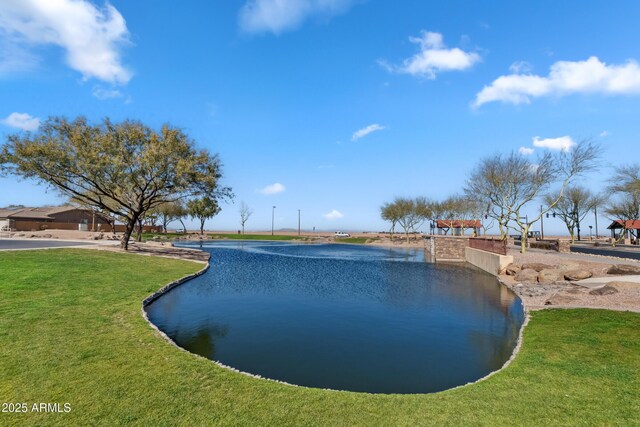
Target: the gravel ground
(619, 295)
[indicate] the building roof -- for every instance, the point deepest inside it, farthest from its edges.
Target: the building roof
(35, 213)
(457, 223)
(630, 224)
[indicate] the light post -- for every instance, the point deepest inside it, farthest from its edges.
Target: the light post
(590, 232)
(273, 215)
(298, 222)
(595, 214)
(541, 224)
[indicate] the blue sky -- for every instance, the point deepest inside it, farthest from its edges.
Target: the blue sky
(331, 106)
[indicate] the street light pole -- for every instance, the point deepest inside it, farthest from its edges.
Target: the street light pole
(298, 222)
(273, 214)
(541, 224)
(595, 212)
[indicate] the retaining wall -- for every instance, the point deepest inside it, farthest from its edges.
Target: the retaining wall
(487, 261)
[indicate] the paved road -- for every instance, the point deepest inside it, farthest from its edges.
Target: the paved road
(607, 251)
(7, 244)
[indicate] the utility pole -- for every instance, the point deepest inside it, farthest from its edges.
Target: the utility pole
(595, 211)
(298, 222)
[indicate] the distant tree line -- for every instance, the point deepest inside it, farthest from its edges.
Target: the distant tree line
(500, 186)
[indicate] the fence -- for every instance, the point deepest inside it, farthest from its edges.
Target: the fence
(495, 246)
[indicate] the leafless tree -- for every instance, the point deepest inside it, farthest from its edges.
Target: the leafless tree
(245, 213)
(573, 207)
(508, 183)
(625, 204)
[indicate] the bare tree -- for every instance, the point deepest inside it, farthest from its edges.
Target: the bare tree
(245, 213)
(508, 183)
(625, 204)
(573, 206)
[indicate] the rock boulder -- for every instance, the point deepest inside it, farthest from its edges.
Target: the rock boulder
(577, 275)
(549, 276)
(606, 290)
(527, 275)
(624, 269)
(537, 266)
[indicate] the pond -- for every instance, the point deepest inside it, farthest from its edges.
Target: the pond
(343, 317)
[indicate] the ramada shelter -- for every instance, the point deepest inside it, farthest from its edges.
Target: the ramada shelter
(458, 226)
(20, 218)
(630, 228)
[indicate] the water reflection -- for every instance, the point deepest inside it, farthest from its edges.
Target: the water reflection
(343, 317)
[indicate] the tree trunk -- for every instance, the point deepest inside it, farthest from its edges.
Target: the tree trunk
(184, 229)
(243, 228)
(139, 232)
(124, 243)
(202, 227)
(523, 240)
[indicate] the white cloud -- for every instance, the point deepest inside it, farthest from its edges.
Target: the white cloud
(277, 16)
(604, 133)
(433, 58)
(22, 121)
(334, 214)
(102, 93)
(525, 151)
(563, 143)
(366, 131)
(565, 77)
(273, 189)
(520, 67)
(91, 37)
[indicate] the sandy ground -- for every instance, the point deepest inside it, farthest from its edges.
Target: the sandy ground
(536, 294)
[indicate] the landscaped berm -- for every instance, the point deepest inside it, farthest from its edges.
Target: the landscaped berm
(72, 333)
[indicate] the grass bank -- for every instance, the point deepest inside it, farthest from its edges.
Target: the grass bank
(71, 331)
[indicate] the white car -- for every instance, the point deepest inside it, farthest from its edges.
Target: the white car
(342, 234)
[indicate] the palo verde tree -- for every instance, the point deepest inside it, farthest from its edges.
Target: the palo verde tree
(390, 212)
(126, 169)
(245, 213)
(624, 206)
(576, 202)
(508, 183)
(202, 209)
(171, 211)
(409, 213)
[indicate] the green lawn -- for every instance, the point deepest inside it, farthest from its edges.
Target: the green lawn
(255, 237)
(357, 240)
(71, 330)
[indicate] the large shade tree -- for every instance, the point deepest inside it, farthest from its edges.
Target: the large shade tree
(126, 169)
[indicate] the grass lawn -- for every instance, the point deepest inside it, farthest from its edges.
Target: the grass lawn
(255, 237)
(358, 240)
(71, 330)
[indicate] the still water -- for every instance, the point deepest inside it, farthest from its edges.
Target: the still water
(343, 317)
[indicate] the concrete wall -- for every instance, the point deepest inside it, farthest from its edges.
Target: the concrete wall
(487, 261)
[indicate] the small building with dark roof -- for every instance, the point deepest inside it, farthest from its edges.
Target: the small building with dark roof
(20, 218)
